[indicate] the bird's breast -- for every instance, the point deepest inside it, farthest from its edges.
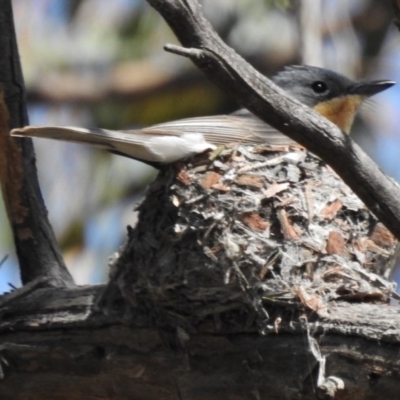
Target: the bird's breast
(341, 111)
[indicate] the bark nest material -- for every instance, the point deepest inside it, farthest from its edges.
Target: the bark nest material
(248, 239)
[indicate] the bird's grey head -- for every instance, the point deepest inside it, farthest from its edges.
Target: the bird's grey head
(313, 85)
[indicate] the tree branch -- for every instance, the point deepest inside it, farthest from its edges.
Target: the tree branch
(38, 253)
(42, 350)
(257, 93)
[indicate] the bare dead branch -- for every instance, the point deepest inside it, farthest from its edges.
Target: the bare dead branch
(38, 253)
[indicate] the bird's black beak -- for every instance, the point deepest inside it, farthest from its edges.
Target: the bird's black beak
(370, 88)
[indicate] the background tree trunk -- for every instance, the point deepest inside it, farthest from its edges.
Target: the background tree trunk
(38, 253)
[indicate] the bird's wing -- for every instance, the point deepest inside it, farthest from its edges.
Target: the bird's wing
(167, 142)
(240, 127)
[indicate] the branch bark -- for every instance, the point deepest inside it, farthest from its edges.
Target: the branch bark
(45, 355)
(257, 93)
(38, 253)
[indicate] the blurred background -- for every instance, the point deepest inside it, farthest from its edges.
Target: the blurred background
(102, 63)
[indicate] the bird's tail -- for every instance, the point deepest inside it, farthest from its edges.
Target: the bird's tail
(138, 144)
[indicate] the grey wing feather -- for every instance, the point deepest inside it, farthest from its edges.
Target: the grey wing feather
(241, 126)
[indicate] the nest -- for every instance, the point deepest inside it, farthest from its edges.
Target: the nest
(254, 230)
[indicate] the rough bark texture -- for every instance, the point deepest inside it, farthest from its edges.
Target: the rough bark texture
(38, 253)
(67, 350)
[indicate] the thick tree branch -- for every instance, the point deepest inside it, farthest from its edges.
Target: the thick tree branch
(37, 250)
(84, 355)
(42, 308)
(247, 86)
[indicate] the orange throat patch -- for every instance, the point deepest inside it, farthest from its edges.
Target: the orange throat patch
(341, 111)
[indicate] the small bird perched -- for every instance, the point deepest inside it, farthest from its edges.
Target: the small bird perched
(332, 95)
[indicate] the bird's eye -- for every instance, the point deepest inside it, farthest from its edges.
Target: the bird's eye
(319, 87)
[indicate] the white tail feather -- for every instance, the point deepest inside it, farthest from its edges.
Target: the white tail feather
(135, 144)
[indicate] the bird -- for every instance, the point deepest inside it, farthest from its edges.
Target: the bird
(330, 94)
